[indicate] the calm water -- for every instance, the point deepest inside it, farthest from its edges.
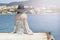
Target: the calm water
(37, 22)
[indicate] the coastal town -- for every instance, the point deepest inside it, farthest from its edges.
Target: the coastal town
(12, 7)
(6, 9)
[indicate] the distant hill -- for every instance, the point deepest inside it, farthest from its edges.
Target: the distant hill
(1, 4)
(15, 3)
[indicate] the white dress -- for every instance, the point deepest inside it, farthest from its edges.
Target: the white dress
(20, 26)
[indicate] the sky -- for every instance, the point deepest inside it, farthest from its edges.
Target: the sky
(40, 3)
(46, 3)
(8, 1)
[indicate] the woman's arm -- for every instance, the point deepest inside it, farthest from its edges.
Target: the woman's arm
(24, 23)
(15, 26)
(26, 26)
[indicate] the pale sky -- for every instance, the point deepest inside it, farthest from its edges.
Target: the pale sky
(8, 1)
(38, 3)
(46, 3)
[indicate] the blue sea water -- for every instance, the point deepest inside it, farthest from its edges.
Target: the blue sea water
(37, 23)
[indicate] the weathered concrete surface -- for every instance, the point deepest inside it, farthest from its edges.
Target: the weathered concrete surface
(35, 36)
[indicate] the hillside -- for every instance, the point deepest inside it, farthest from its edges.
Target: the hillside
(14, 3)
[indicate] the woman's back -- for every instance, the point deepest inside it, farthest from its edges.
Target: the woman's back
(21, 24)
(20, 16)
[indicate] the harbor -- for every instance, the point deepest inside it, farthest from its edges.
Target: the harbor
(43, 17)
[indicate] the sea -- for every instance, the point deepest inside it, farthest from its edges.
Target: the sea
(43, 22)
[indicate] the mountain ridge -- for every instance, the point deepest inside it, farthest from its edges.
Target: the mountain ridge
(14, 3)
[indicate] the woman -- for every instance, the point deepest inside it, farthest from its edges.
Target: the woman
(21, 24)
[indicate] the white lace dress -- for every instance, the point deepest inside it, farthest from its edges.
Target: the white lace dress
(20, 26)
